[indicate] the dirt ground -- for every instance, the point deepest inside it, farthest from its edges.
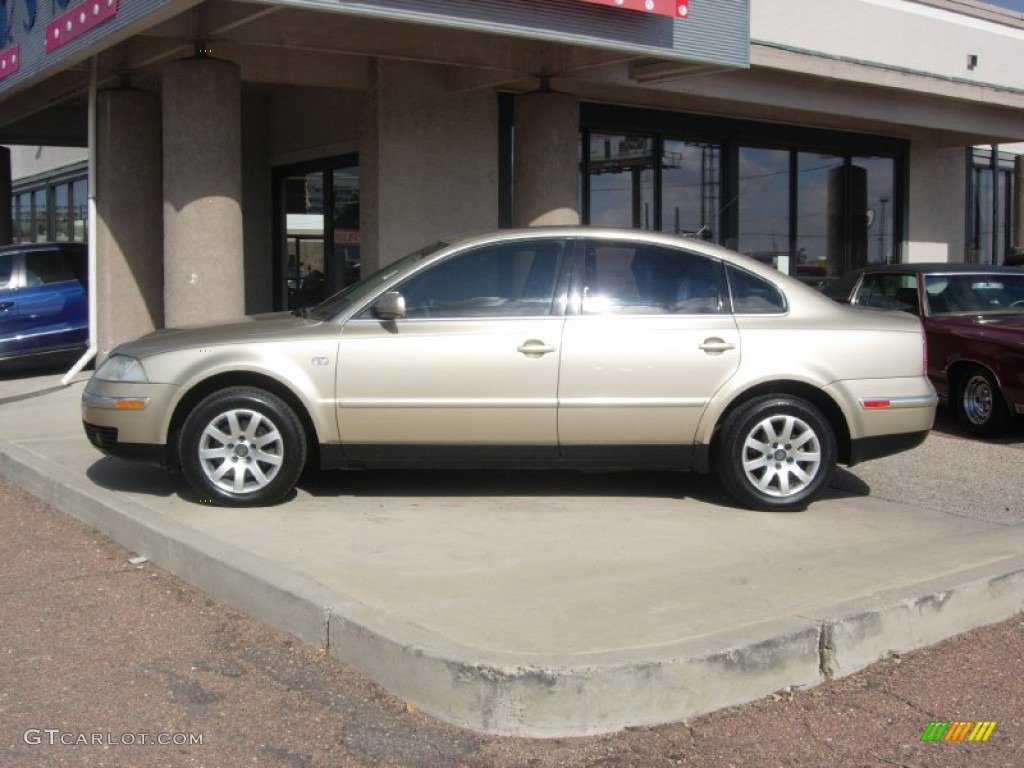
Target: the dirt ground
(104, 662)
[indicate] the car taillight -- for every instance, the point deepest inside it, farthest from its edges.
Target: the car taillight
(924, 353)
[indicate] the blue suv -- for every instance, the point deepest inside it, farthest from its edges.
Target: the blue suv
(44, 306)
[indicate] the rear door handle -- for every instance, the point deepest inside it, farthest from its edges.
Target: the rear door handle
(534, 348)
(5, 305)
(716, 346)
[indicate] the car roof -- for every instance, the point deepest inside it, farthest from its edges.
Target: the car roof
(942, 267)
(47, 246)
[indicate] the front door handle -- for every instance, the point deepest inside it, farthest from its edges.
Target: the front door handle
(716, 346)
(5, 305)
(534, 348)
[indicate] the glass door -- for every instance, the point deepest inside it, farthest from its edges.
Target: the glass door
(317, 250)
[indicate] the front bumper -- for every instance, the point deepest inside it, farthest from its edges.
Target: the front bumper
(128, 420)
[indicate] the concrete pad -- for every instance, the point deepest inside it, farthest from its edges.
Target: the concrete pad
(551, 604)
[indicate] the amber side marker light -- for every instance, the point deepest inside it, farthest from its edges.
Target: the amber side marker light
(131, 403)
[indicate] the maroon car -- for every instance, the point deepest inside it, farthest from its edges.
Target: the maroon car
(973, 318)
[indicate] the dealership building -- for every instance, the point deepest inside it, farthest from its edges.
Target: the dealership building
(216, 154)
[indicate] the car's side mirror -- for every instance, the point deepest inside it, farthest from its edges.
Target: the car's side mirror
(390, 306)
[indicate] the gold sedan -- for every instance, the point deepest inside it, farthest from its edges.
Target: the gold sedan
(540, 348)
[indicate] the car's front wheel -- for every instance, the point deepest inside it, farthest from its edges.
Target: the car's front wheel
(775, 453)
(242, 446)
(979, 404)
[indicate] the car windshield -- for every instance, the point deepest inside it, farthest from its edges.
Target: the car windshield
(346, 297)
(977, 293)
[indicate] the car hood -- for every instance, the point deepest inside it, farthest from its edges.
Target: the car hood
(264, 327)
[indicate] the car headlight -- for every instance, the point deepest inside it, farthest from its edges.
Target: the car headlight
(122, 368)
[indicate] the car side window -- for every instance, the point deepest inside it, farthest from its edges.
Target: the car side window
(889, 291)
(516, 279)
(753, 295)
(648, 279)
(6, 270)
(44, 267)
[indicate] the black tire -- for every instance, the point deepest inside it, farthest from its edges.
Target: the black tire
(775, 453)
(979, 404)
(242, 447)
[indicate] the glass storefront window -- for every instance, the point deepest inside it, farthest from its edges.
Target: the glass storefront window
(691, 188)
(79, 210)
(814, 204)
(817, 208)
(61, 211)
(39, 215)
(346, 226)
(318, 209)
(621, 180)
(23, 218)
(763, 227)
(880, 189)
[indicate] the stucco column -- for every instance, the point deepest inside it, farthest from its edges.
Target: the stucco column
(545, 177)
(1018, 210)
(129, 217)
(204, 277)
(6, 225)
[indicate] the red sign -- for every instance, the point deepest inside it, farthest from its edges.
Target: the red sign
(677, 9)
(9, 61)
(77, 20)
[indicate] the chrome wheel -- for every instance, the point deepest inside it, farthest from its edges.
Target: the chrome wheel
(977, 399)
(781, 455)
(241, 451)
(775, 452)
(979, 404)
(242, 446)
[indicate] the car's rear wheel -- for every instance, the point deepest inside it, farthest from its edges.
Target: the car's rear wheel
(979, 404)
(775, 453)
(242, 446)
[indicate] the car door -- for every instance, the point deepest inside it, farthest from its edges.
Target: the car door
(10, 270)
(649, 343)
(471, 370)
(51, 306)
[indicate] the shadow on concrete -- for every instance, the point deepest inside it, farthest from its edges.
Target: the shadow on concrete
(946, 424)
(133, 477)
(149, 480)
(55, 363)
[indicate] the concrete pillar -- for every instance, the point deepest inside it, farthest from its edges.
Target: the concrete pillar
(129, 220)
(1017, 255)
(204, 279)
(6, 224)
(545, 176)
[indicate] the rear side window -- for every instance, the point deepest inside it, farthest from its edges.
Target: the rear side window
(45, 267)
(889, 291)
(638, 278)
(753, 295)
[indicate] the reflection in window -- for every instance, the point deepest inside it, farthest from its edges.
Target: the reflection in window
(690, 188)
(511, 280)
(641, 279)
(879, 208)
(816, 210)
(61, 222)
(621, 180)
(80, 210)
(764, 205)
(39, 215)
(752, 295)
